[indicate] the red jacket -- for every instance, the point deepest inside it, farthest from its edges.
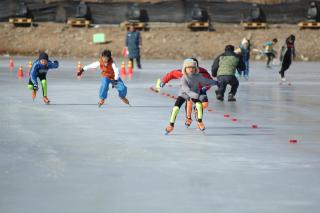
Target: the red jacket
(177, 74)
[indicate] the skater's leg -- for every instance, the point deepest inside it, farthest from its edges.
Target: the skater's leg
(268, 59)
(199, 114)
(222, 88)
(199, 110)
(204, 100)
(44, 87)
(188, 109)
(180, 100)
(285, 64)
(246, 70)
(30, 87)
(122, 90)
(103, 92)
(234, 87)
(43, 79)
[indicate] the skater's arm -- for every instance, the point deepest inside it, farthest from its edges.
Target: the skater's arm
(94, 65)
(215, 66)
(33, 73)
(174, 74)
(186, 89)
(116, 71)
(53, 65)
(204, 74)
(207, 81)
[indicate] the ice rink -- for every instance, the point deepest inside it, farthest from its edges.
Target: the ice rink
(71, 156)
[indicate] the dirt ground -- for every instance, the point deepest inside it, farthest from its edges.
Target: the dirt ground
(173, 41)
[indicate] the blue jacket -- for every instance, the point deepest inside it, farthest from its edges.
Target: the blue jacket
(38, 68)
(133, 41)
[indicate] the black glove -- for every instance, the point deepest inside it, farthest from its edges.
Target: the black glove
(79, 73)
(35, 87)
(56, 62)
(114, 83)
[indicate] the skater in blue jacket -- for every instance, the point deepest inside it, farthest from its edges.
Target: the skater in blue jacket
(39, 70)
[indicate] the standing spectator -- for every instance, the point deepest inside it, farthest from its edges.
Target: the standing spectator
(133, 45)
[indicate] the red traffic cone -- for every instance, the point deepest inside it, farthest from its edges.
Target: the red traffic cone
(130, 68)
(123, 69)
(79, 66)
(20, 72)
(29, 67)
(11, 64)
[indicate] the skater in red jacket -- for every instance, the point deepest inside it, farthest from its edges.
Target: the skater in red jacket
(177, 74)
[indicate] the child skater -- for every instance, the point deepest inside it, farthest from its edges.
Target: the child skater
(288, 55)
(109, 74)
(177, 74)
(190, 90)
(39, 70)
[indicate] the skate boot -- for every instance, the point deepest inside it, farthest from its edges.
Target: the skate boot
(246, 77)
(219, 96)
(33, 94)
(169, 129)
(188, 122)
(46, 100)
(125, 100)
(201, 126)
(100, 103)
(231, 98)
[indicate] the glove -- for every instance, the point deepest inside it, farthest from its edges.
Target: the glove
(204, 89)
(114, 83)
(56, 62)
(79, 73)
(159, 85)
(35, 87)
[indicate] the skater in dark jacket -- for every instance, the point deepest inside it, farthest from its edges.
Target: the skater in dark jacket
(224, 68)
(39, 70)
(288, 56)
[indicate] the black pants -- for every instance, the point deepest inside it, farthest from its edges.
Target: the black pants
(138, 62)
(270, 57)
(224, 80)
(285, 63)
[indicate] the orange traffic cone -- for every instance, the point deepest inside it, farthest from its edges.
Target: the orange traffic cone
(11, 64)
(123, 69)
(130, 68)
(79, 66)
(29, 67)
(20, 72)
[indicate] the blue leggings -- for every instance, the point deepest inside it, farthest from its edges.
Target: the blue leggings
(103, 92)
